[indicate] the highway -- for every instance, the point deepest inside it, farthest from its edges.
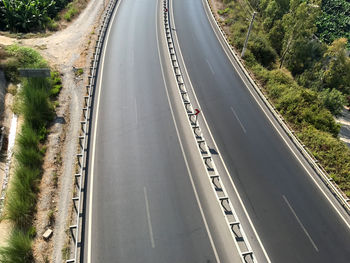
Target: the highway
(141, 204)
(294, 219)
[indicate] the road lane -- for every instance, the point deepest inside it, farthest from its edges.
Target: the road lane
(261, 165)
(143, 204)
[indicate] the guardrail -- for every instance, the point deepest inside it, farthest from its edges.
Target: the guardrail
(237, 232)
(84, 138)
(313, 162)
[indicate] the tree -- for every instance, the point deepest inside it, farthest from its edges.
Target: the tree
(337, 73)
(299, 25)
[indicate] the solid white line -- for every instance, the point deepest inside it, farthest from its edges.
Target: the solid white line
(182, 148)
(238, 120)
(301, 224)
(149, 218)
(217, 148)
(94, 136)
(259, 101)
(211, 69)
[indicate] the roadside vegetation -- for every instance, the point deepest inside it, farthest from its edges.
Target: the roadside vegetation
(303, 68)
(35, 104)
(36, 15)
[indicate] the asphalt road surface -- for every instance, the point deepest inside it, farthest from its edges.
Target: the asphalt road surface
(292, 217)
(143, 205)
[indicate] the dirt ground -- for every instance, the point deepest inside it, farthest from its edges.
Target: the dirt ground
(71, 47)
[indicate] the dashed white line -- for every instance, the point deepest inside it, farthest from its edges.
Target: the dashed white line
(240, 123)
(136, 116)
(300, 223)
(211, 69)
(149, 218)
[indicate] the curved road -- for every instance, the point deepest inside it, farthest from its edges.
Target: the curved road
(143, 205)
(294, 220)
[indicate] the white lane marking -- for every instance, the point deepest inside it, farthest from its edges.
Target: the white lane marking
(234, 113)
(136, 116)
(211, 69)
(217, 148)
(94, 136)
(259, 101)
(149, 218)
(182, 148)
(300, 223)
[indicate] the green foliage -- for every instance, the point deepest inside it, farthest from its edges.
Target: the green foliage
(72, 11)
(332, 153)
(299, 26)
(18, 249)
(223, 11)
(36, 107)
(333, 100)
(56, 84)
(337, 74)
(262, 50)
(28, 15)
(299, 106)
(37, 111)
(21, 57)
(334, 22)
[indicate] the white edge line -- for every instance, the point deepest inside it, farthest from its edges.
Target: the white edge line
(182, 148)
(149, 218)
(95, 132)
(219, 154)
(300, 223)
(259, 101)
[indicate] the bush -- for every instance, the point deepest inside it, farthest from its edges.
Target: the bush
(333, 154)
(223, 11)
(18, 249)
(72, 11)
(333, 100)
(21, 57)
(25, 15)
(262, 50)
(36, 108)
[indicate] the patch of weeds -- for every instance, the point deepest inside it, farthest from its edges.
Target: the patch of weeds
(79, 72)
(55, 179)
(72, 11)
(51, 217)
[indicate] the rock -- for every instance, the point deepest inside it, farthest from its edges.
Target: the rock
(47, 234)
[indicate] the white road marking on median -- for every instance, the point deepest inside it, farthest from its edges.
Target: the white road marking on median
(238, 120)
(211, 69)
(182, 148)
(301, 224)
(94, 138)
(149, 218)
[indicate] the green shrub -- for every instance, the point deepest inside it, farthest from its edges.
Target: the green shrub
(36, 107)
(262, 50)
(333, 100)
(18, 249)
(52, 25)
(72, 11)
(333, 154)
(223, 11)
(21, 57)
